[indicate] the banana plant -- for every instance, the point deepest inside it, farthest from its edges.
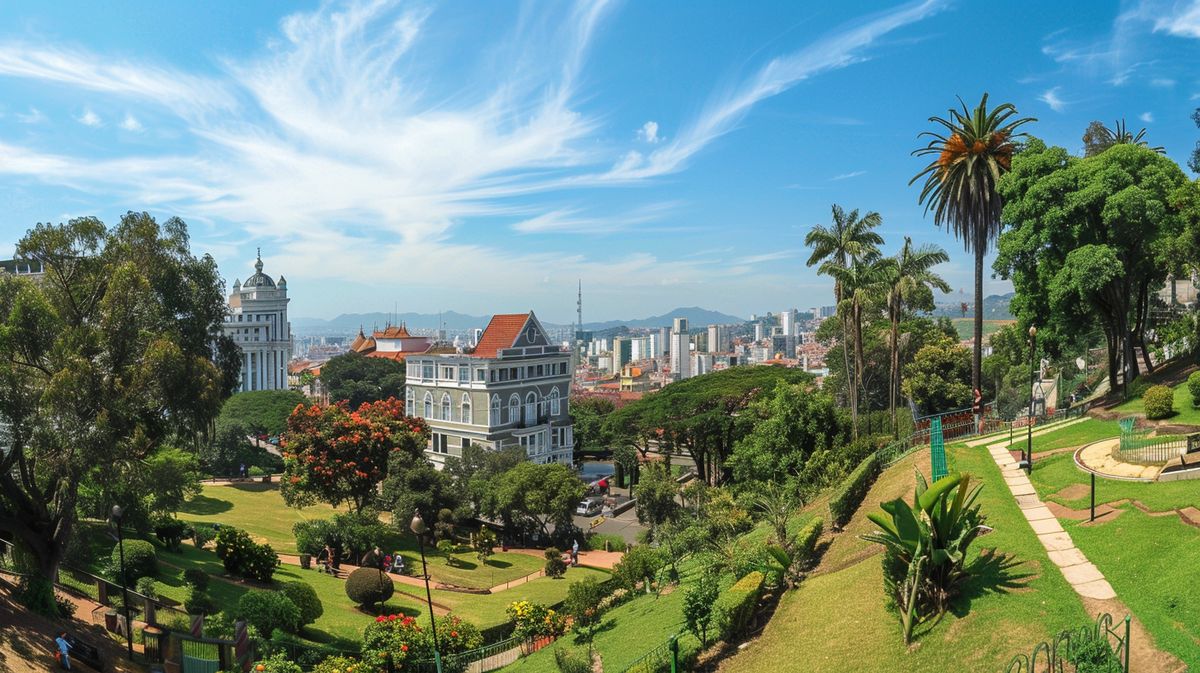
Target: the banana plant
(930, 538)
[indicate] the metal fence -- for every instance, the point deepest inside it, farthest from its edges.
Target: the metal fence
(663, 658)
(1054, 654)
(1137, 446)
(482, 659)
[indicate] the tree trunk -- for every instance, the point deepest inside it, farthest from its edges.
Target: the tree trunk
(977, 353)
(894, 392)
(850, 388)
(858, 353)
(1112, 359)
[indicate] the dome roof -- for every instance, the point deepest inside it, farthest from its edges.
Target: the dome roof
(259, 279)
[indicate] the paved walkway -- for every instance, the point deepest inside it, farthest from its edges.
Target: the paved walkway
(1099, 457)
(1083, 576)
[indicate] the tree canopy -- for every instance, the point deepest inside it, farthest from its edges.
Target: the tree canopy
(936, 378)
(102, 360)
(534, 497)
(356, 378)
(261, 411)
(587, 417)
(794, 423)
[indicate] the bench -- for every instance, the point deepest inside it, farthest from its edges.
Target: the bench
(85, 653)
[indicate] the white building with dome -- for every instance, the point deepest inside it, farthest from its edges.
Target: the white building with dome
(258, 324)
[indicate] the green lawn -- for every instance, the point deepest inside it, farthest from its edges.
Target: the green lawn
(1185, 413)
(838, 621)
(1051, 475)
(1072, 436)
(259, 509)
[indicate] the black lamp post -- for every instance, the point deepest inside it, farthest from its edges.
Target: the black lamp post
(418, 528)
(1032, 367)
(117, 514)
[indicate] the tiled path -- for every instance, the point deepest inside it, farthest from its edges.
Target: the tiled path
(1081, 574)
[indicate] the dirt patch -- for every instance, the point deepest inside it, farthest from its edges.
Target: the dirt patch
(1143, 656)
(1104, 512)
(1073, 492)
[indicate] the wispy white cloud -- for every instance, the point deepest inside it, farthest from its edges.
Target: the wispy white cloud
(89, 118)
(1146, 117)
(1162, 82)
(572, 220)
(766, 257)
(1182, 20)
(1050, 97)
(34, 116)
(649, 132)
(130, 123)
(847, 176)
(836, 50)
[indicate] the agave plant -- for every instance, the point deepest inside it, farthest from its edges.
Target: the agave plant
(926, 544)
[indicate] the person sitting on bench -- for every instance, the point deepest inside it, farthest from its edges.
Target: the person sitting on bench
(325, 560)
(397, 563)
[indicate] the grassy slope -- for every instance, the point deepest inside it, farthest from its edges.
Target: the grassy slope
(1148, 560)
(838, 621)
(1185, 413)
(1075, 435)
(243, 505)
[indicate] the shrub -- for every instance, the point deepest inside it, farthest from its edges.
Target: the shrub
(805, 546)
(850, 492)
(306, 600)
(640, 563)
(199, 603)
(140, 560)
(147, 587)
(243, 557)
(583, 603)
(599, 540)
(269, 610)
(1092, 654)
(1193, 384)
(400, 638)
(171, 532)
(572, 660)
(734, 607)
(555, 566)
(446, 548)
(532, 620)
(1159, 402)
(368, 586)
(196, 578)
(312, 536)
(336, 664)
(202, 534)
(278, 663)
(698, 603)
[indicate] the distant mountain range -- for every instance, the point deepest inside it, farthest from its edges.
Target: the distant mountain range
(995, 307)
(349, 323)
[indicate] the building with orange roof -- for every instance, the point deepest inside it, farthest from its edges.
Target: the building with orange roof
(510, 390)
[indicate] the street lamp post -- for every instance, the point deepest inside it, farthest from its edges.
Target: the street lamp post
(117, 514)
(417, 526)
(1032, 367)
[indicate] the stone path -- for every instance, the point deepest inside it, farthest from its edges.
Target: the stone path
(1050, 427)
(1081, 574)
(1099, 457)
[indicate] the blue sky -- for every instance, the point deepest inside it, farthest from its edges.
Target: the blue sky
(482, 156)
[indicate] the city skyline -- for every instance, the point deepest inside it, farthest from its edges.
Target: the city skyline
(667, 155)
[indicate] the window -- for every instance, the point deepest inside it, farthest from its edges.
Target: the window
(448, 373)
(514, 408)
(540, 370)
(464, 409)
(446, 411)
(427, 370)
(428, 405)
(464, 375)
(408, 402)
(494, 416)
(440, 443)
(531, 408)
(480, 374)
(555, 407)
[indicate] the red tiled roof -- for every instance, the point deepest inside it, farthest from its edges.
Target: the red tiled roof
(362, 343)
(398, 356)
(500, 333)
(393, 332)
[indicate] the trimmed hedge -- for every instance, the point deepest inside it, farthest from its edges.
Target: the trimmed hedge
(140, 561)
(243, 557)
(269, 610)
(1159, 402)
(806, 540)
(736, 604)
(852, 490)
(367, 586)
(1193, 384)
(306, 600)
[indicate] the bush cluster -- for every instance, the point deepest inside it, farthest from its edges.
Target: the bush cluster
(400, 639)
(533, 620)
(269, 610)
(368, 586)
(1193, 384)
(243, 557)
(555, 566)
(640, 563)
(850, 492)
(336, 663)
(202, 534)
(350, 532)
(572, 660)
(1159, 402)
(140, 561)
(171, 532)
(304, 596)
(806, 541)
(735, 605)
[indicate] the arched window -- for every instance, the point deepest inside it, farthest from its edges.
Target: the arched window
(555, 407)
(447, 413)
(408, 402)
(464, 409)
(494, 416)
(428, 405)
(531, 408)
(514, 408)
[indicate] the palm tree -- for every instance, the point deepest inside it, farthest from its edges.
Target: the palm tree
(835, 247)
(864, 281)
(1120, 135)
(961, 185)
(907, 272)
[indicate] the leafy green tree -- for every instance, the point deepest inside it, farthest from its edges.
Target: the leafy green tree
(536, 496)
(1090, 241)
(1096, 138)
(790, 426)
(834, 251)
(864, 283)
(909, 274)
(656, 495)
(588, 415)
(583, 603)
(1194, 162)
(261, 411)
(698, 603)
(962, 186)
(102, 360)
(356, 378)
(701, 415)
(473, 473)
(413, 484)
(171, 477)
(936, 379)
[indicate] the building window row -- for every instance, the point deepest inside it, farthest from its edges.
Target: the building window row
(428, 371)
(531, 411)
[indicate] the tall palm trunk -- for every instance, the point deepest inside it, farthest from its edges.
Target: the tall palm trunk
(977, 353)
(850, 378)
(894, 388)
(858, 356)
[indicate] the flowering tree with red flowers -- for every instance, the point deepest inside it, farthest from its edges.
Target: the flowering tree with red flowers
(400, 638)
(335, 455)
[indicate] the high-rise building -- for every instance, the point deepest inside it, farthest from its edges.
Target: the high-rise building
(784, 345)
(622, 352)
(787, 320)
(664, 340)
(681, 350)
(718, 339)
(759, 331)
(828, 311)
(702, 363)
(258, 324)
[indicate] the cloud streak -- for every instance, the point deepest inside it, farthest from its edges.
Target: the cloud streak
(1050, 97)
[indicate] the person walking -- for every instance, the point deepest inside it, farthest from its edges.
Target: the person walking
(574, 552)
(64, 647)
(242, 470)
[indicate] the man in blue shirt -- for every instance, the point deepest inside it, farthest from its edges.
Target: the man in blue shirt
(63, 648)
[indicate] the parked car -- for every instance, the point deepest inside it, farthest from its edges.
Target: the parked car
(589, 507)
